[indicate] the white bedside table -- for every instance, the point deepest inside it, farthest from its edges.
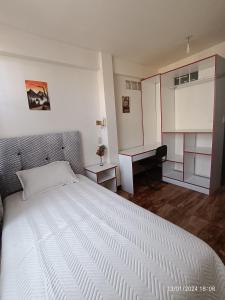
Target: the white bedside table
(104, 175)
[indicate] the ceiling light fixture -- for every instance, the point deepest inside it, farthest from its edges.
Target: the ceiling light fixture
(188, 44)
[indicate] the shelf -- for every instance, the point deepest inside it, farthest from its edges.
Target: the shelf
(174, 174)
(199, 150)
(175, 158)
(198, 180)
(106, 178)
(198, 143)
(187, 131)
(173, 170)
(110, 185)
(192, 83)
(97, 168)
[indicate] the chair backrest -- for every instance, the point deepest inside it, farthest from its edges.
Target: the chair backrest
(161, 153)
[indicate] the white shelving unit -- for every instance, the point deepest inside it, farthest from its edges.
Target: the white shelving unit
(173, 170)
(104, 175)
(193, 125)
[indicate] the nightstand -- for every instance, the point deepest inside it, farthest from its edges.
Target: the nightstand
(104, 175)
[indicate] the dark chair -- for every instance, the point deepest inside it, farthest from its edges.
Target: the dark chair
(152, 163)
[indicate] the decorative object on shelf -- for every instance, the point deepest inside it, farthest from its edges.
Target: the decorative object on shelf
(126, 104)
(100, 152)
(37, 94)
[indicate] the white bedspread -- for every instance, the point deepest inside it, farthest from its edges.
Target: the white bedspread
(81, 241)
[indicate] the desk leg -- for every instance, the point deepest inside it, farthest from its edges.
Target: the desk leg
(126, 173)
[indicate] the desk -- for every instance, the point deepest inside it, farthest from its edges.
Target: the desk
(127, 158)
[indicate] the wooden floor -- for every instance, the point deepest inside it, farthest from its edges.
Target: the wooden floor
(202, 215)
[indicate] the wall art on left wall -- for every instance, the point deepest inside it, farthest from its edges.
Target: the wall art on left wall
(126, 104)
(37, 94)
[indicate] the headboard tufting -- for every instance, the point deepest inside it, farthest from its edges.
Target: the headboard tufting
(27, 152)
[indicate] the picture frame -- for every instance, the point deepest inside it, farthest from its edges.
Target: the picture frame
(126, 104)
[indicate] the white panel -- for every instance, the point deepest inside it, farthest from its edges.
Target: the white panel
(194, 106)
(106, 175)
(190, 142)
(187, 185)
(197, 169)
(126, 173)
(202, 165)
(189, 165)
(168, 103)
(203, 140)
(218, 136)
(92, 176)
(198, 142)
(174, 144)
(149, 106)
(110, 185)
(73, 97)
(173, 170)
(158, 113)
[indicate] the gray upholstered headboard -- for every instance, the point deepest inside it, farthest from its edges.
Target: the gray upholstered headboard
(27, 152)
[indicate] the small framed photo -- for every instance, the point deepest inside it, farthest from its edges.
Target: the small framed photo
(126, 104)
(37, 95)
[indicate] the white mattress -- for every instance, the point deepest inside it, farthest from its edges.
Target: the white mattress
(81, 241)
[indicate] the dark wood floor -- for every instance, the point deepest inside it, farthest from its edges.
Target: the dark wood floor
(202, 215)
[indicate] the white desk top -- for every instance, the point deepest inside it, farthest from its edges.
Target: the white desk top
(139, 150)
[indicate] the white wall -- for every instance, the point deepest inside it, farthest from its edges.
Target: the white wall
(76, 97)
(17, 43)
(131, 69)
(129, 125)
(151, 110)
(73, 96)
(217, 49)
(194, 107)
(107, 106)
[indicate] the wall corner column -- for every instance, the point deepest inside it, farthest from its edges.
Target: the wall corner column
(107, 106)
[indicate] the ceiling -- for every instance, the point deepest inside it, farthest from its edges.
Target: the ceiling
(150, 32)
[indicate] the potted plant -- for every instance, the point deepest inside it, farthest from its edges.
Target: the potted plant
(100, 152)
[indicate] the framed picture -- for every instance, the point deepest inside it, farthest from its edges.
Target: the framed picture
(37, 95)
(126, 104)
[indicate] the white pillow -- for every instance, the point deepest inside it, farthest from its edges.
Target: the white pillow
(40, 179)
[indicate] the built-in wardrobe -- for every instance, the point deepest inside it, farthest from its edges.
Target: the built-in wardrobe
(185, 109)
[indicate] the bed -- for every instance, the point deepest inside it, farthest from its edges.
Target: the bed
(81, 241)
